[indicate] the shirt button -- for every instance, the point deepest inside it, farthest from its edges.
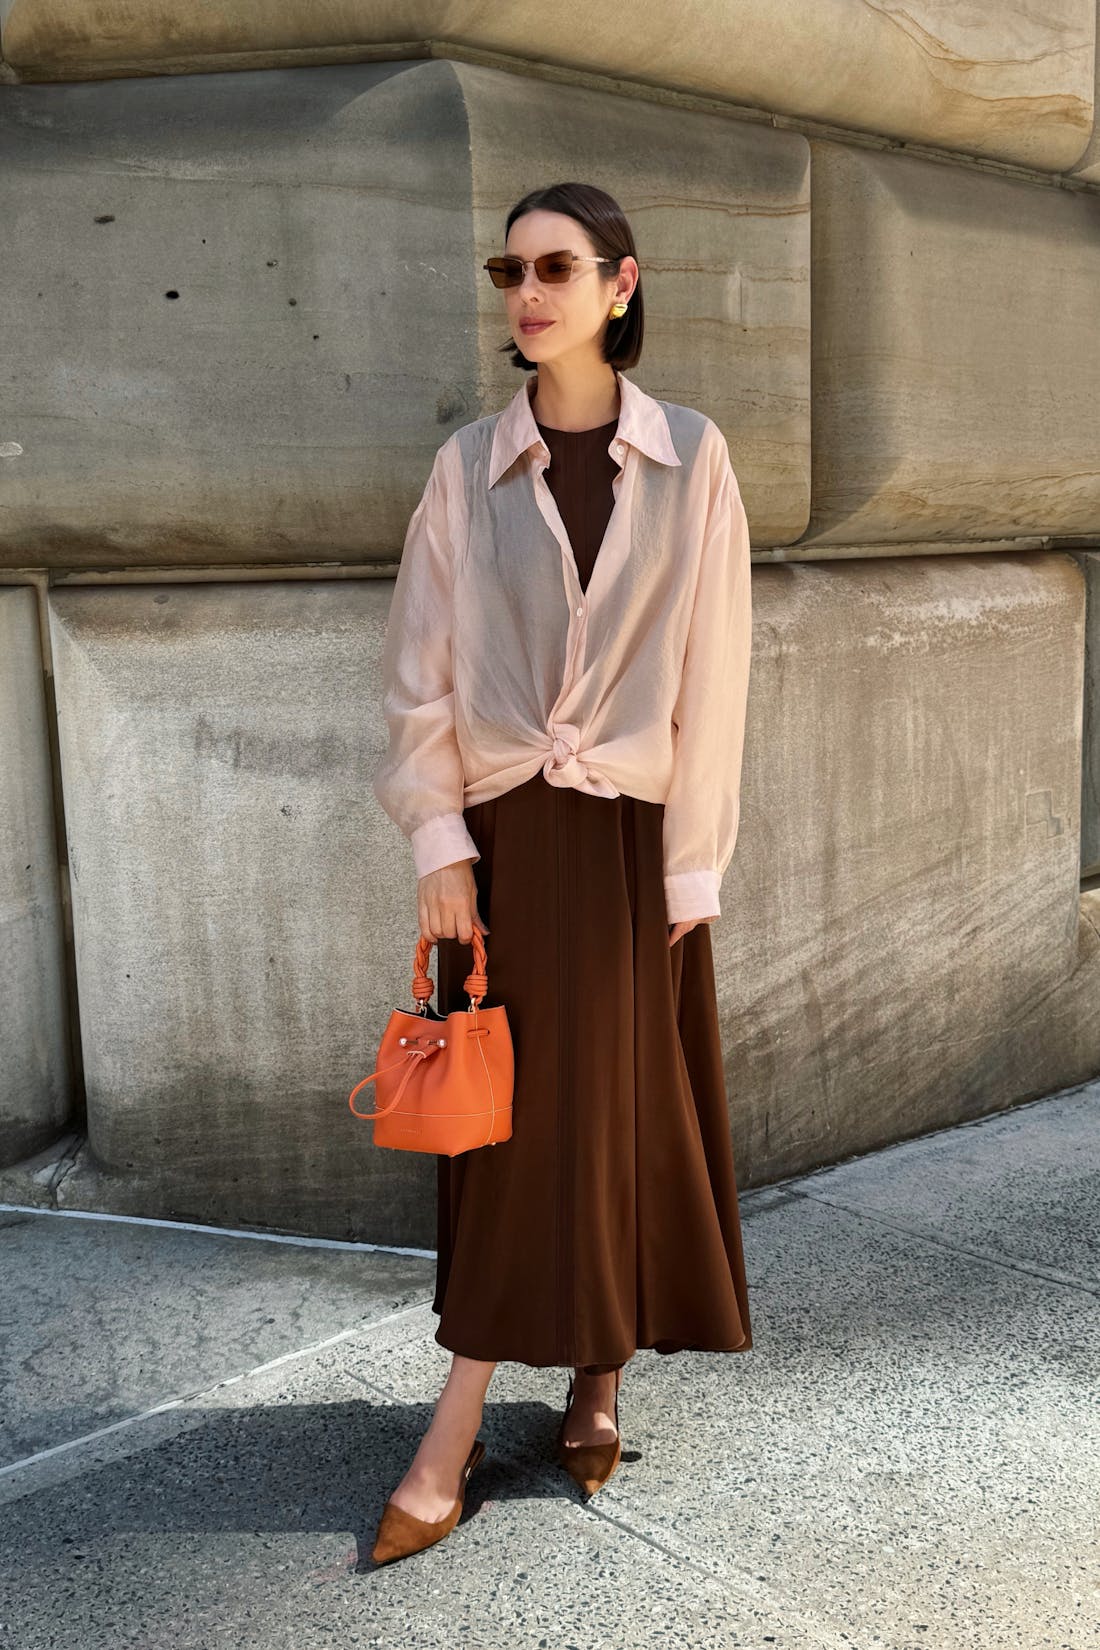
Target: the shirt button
(580, 610)
(618, 446)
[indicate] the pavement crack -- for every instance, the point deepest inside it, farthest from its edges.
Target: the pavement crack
(992, 1257)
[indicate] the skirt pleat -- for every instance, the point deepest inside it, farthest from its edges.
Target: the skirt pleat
(609, 1221)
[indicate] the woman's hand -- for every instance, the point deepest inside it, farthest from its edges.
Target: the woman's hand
(447, 903)
(679, 929)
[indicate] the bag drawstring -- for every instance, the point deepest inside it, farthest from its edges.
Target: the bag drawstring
(413, 1055)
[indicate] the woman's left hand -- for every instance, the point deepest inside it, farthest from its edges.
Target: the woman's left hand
(679, 929)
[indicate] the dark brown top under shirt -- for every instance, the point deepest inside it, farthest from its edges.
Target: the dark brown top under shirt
(579, 476)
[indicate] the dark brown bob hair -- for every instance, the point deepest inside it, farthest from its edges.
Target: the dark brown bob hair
(601, 215)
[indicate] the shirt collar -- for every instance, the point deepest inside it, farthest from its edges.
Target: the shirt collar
(642, 424)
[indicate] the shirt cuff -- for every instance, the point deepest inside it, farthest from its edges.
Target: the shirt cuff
(441, 841)
(691, 895)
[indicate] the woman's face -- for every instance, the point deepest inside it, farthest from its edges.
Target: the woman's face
(577, 309)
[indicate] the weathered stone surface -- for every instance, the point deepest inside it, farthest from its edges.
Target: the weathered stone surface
(286, 404)
(1012, 82)
(956, 358)
(903, 942)
(901, 947)
(323, 230)
(1090, 766)
(1087, 165)
(244, 914)
(35, 1074)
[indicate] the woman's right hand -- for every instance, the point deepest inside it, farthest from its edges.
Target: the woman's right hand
(447, 903)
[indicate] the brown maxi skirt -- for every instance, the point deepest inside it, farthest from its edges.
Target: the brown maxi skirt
(609, 1221)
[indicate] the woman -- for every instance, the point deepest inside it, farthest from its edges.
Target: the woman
(566, 670)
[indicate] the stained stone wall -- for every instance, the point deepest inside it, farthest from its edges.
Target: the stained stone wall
(1012, 82)
(896, 925)
(321, 230)
(244, 308)
(955, 381)
(1090, 792)
(36, 1095)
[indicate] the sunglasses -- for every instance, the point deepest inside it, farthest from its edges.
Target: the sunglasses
(552, 268)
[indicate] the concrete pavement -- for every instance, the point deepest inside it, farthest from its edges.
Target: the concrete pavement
(199, 1430)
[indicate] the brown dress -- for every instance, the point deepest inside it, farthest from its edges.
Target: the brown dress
(609, 1221)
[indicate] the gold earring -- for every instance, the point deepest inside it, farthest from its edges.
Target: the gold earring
(618, 309)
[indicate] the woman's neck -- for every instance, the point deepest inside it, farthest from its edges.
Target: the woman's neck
(583, 404)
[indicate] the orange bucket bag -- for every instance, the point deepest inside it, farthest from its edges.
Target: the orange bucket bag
(444, 1081)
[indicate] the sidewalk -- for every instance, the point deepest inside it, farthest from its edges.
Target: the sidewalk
(198, 1432)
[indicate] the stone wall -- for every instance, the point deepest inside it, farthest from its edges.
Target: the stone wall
(244, 305)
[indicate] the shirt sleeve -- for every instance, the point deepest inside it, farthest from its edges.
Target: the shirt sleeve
(420, 780)
(703, 804)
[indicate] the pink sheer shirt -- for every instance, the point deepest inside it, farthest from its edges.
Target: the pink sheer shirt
(496, 664)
